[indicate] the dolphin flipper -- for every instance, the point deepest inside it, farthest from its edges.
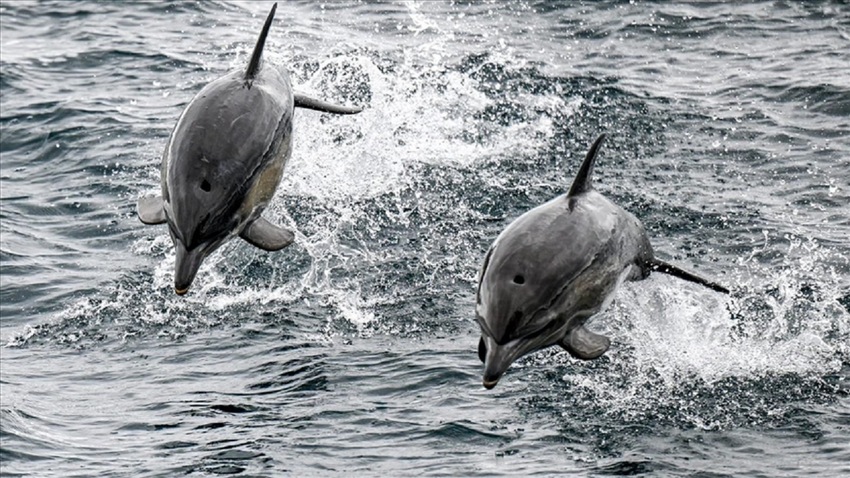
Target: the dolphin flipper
(584, 344)
(267, 236)
(151, 210)
(304, 101)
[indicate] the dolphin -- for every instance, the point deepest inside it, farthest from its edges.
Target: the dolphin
(224, 161)
(553, 268)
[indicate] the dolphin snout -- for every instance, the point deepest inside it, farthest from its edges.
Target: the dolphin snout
(496, 362)
(492, 374)
(186, 267)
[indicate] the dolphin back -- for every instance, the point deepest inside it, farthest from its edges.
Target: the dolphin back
(647, 262)
(538, 257)
(225, 139)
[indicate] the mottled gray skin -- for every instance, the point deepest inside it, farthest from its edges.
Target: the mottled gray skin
(553, 268)
(223, 163)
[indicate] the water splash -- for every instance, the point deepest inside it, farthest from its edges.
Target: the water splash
(685, 357)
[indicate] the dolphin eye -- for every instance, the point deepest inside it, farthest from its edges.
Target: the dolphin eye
(519, 280)
(205, 185)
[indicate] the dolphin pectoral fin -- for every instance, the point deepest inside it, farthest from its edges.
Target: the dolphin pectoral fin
(667, 268)
(584, 344)
(267, 236)
(151, 210)
(304, 101)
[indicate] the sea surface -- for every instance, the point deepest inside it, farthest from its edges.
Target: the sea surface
(354, 351)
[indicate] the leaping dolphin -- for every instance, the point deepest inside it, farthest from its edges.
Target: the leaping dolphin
(224, 160)
(553, 268)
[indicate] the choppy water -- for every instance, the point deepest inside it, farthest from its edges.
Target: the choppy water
(354, 350)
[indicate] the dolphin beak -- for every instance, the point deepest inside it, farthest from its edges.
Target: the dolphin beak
(186, 267)
(496, 362)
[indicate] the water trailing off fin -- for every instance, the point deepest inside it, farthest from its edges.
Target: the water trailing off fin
(667, 268)
(254, 64)
(304, 101)
(582, 181)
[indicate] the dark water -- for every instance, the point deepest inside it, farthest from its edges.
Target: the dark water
(353, 352)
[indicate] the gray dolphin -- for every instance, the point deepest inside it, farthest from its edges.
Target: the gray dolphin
(224, 161)
(553, 268)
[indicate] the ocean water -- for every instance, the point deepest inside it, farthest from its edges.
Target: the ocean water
(354, 351)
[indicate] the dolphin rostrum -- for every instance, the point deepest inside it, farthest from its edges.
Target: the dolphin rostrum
(553, 268)
(224, 161)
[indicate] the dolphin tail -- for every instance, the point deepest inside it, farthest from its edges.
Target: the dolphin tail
(304, 101)
(254, 64)
(667, 268)
(151, 210)
(582, 181)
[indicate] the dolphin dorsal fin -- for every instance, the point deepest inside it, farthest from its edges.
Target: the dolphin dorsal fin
(254, 64)
(582, 181)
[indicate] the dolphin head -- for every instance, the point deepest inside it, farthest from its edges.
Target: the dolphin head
(186, 266)
(526, 290)
(498, 357)
(193, 241)
(515, 317)
(202, 205)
